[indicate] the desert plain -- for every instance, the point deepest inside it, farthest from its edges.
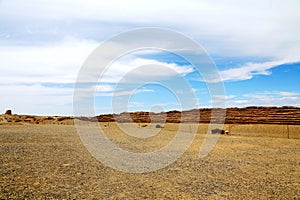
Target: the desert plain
(49, 161)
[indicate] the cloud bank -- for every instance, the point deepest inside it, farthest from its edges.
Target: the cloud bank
(44, 43)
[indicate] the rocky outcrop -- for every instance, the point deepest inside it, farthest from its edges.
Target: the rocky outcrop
(8, 112)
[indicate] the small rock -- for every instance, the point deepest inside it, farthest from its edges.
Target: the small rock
(8, 112)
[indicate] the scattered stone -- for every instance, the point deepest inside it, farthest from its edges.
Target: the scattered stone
(8, 112)
(158, 126)
(217, 131)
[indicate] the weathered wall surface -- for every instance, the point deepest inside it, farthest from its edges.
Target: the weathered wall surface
(250, 115)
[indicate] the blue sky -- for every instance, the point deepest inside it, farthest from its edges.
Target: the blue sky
(43, 44)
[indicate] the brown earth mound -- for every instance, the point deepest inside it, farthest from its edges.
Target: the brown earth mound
(30, 119)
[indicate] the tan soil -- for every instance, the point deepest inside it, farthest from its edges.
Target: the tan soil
(50, 162)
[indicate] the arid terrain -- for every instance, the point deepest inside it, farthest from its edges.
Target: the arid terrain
(287, 115)
(42, 157)
(40, 161)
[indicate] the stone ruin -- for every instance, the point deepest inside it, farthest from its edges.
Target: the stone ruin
(8, 112)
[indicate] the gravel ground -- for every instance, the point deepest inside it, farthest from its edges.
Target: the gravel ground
(50, 162)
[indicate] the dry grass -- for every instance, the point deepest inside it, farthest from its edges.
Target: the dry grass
(49, 162)
(266, 130)
(253, 130)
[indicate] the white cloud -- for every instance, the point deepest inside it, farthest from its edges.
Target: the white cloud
(132, 69)
(262, 29)
(246, 28)
(273, 98)
(33, 99)
(288, 94)
(123, 92)
(25, 68)
(224, 96)
(236, 28)
(104, 88)
(249, 70)
(58, 62)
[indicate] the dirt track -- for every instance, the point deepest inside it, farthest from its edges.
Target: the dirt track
(49, 162)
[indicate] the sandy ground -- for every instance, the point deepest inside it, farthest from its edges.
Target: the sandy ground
(50, 162)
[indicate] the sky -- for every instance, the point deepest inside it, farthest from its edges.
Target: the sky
(255, 46)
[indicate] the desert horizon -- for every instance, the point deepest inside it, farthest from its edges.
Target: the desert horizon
(149, 99)
(46, 156)
(50, 161)
(232, 115)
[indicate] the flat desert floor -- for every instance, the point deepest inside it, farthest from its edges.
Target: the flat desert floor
(50, 162)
